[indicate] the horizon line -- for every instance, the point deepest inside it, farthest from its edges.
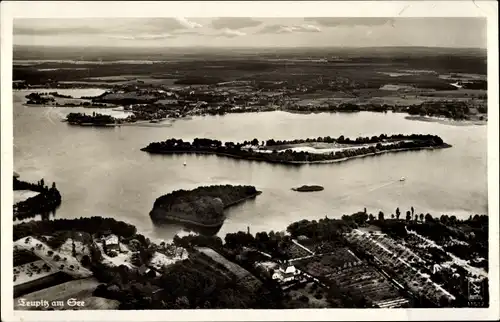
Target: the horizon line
(249, 47)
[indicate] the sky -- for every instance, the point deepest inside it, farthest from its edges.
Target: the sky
(252, 32)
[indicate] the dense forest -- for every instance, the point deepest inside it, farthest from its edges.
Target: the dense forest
(237, 150)
(92, 225)
(204, 205)
(95, 119)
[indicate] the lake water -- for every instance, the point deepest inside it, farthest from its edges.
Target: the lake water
(101, 171)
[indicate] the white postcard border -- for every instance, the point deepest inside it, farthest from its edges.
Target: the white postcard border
(56, 9)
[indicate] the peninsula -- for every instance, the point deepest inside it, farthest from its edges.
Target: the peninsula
(203, 206)
(42, 200)
(302, 151)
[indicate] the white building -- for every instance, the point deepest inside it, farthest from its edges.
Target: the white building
(111, 242)
(286, 273)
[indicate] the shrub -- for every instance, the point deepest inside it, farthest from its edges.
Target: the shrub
(112, 253)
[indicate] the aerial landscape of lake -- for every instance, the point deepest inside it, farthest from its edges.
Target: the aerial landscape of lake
(250, 163)
(95, 167)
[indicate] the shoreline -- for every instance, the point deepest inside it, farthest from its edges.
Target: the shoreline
(444, 146)
(446, 121)
(116, 124)
(205, 225)
(69, 106)
(439, 120)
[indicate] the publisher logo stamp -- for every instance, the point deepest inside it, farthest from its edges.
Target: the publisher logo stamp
(476, 293)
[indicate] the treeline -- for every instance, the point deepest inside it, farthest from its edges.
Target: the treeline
(92, 225)
(343, 107)
(23, 185)
(323, 229)
(455, 110)
(95, 118)
(477, 84)
(228, 194)
(198, 80)
(45, 202)
(360, 140)
(208, 146)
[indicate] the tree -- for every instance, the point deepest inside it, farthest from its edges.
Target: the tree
(408, 216)
(380, 216)
(398, 212)
(412, 210)
(85, 260)
(371, 217)
(392, 216)
(428, 217)
(416, 217)
(182, 302)
(443, 301)
(421, 217)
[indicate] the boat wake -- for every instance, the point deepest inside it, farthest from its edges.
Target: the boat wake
(368, 189)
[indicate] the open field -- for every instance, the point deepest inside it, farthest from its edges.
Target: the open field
(58, 260)
(32, 271)
(367, 67)
(367, 282)
(234, 268)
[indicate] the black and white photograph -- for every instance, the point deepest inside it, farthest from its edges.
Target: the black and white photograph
(243, 161)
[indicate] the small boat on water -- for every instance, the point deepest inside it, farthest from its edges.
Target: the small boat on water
(402, 179)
